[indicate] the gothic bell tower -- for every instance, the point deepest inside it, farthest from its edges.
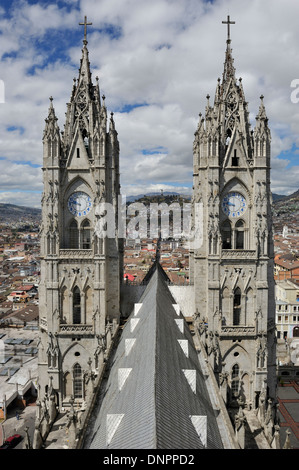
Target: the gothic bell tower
(232, 267)
(80, 270)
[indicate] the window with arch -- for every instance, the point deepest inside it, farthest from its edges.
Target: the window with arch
(76, 306)
(235, 382)
(233, 235)
(85, 234)
(239, 235)
(226, 233)
(296, 332)
(80, 235)
(237, 307)
(77, 381)
(74, 234)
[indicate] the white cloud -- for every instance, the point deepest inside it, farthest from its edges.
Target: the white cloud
(165, 54)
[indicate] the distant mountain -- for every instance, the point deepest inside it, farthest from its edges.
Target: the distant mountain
(287, 205)
(277, 197)
(12, 212)
(140, 196)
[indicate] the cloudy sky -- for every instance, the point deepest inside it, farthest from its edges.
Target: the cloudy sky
(156, 61)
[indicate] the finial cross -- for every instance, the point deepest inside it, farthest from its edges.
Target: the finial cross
(228, 22)
(85, 24)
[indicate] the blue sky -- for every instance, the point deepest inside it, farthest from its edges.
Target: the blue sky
(156, 62)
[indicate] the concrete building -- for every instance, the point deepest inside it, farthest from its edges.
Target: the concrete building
(287, 309)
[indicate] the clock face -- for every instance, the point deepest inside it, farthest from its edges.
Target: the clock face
(79, 204)
(234, 204)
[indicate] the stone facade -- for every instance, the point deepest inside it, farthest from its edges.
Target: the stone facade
(231, 296)
(232, 266)
(80, 270)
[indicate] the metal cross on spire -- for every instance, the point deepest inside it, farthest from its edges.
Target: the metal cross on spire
(85, 24)
(228, 22)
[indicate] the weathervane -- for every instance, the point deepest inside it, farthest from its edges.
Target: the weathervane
(228, 22)
(85, 24)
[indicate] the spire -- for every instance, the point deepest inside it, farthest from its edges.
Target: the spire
(85, 24)
(262, 111)
(51, 126)
(229, 70)
(84, 72)
(262, 129)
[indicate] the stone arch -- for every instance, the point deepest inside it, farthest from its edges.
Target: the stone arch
(237, 353)
(77, 184)
(75, 353)
(237, 365)
(296, 332)
(235, 184)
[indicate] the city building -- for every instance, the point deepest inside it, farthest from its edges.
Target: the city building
(287, 309)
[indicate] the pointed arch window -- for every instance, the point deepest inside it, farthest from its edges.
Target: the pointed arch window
(296, 332)
(85, 232)
(226, 233)
(239, 235)
(79, 235)
(77, 381)
(74, 235)
(76, 306)
(233, 235)
(237, 307)
(235, 380)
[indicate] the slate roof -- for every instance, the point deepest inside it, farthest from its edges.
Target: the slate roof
(155, 396)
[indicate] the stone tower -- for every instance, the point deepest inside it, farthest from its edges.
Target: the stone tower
(80, 270)
(232, 266)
